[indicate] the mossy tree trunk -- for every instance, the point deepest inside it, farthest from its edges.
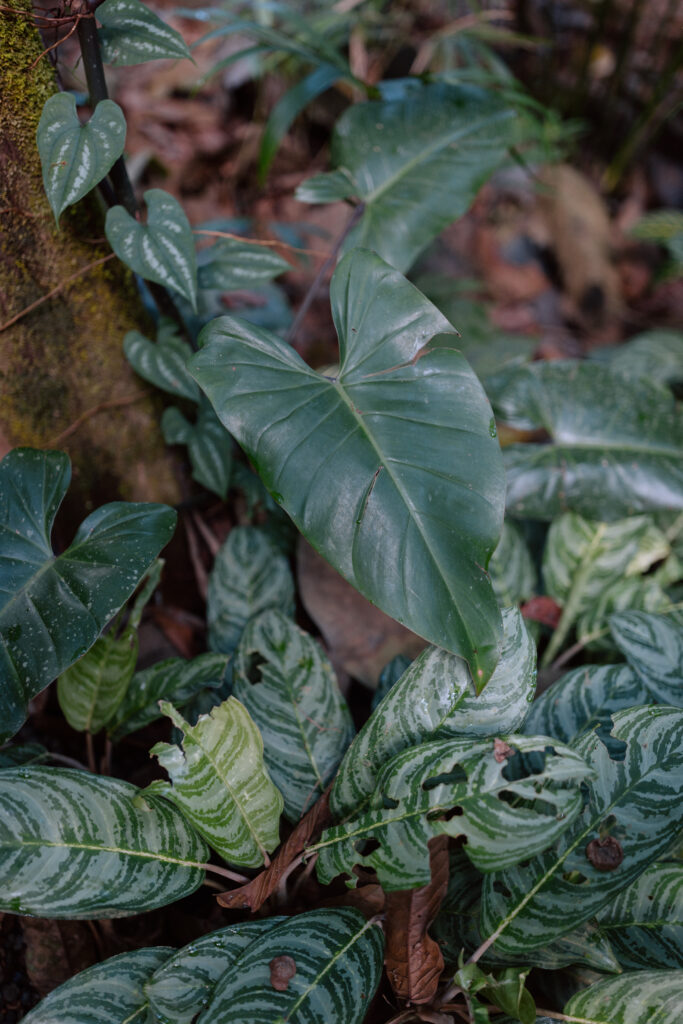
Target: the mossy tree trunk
(65, 359)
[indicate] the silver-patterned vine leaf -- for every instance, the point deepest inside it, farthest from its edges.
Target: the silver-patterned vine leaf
(132, 34)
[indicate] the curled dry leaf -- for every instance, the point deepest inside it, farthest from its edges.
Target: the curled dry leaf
(282, 970)
(605, 854)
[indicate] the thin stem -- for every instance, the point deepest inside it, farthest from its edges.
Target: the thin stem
(90, 748)
(71, 762)
(106, 760)
(55, 291)
(225, 873)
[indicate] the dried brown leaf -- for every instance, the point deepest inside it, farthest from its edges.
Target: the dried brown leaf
(55, 951)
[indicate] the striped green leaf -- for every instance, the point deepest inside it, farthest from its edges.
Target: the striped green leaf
(482, 790)
(91, 690)
(230, 264)
(337, 956)
(111, 991)
(183, 984)
(132, 34)
(79, 845)
(436, 697)
(644, 923)
(52, 609)
(512, 569)
(175, 680)
(209, 446)
(653, 646)
(162, 250)
(641, 997)
(634, 801)
(249, 575)
(162, 363)
(289, 688)
(220, 783)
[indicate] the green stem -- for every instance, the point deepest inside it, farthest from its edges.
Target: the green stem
(572, 605)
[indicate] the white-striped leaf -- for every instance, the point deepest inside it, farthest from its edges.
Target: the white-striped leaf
(482, 790)
(91, 690)
(175, 680)
(221, 784)
(162, 363)
(209, 446)
(289, 688)
(162, 250)
(641, 997)
(230, 264)
(52, 609)
(111, 991)
(337, 956)
(653, 646)
(511, 568)
(76, 157)
(132, 34)
(183, 984)
(249, 575)
(436, 697)
(80, 846)
(644, 924)
(635, 801)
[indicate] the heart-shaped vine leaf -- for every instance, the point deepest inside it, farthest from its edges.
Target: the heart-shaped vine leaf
(111, 991)
(132, 34)
(209, 446)
(644, 924)
(75, 157)
(321, 966)
(52, 608)
(632, 813)
(79, 845)
(230, 264)
(163, 363)
(289, 688)
(436, 697)
(639, 997)
(162, 250)
(412, 439)
(653, 646)
(220, 782)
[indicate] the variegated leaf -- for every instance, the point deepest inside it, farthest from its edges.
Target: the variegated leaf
(641, 997)
(653, 646)
(209, 446)
(644, 923)
(436, 697)
(511, 568)
(132, 34)
(91, 690)
(162, 363)
(632, 811)
(79, 845)
(289, 688)
(230, 264)
(220, 783)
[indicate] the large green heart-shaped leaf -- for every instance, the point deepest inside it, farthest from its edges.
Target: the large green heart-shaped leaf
(644, 923)
(52, 608)
(132, 34)
(458, 787)
(162, 250)
(616, 445)
(221, 784)
(79, 845)
(163, 363)
(75, 156)
(641, 997)
(330, 964)
(633, 809)
(289, 688)
(416, 163)
(111, 991)
(391, 468)
(653, 646)
(436, 697)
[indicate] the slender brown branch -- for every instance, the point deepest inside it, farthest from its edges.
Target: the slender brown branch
(90, 748)
(55, 45)
(55, 291)
(234, 876)
(113, 403)
(267, 242)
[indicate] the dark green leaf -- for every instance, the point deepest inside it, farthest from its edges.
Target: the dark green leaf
(645, 922)
(132, 34)
(653, 646)
(163, 363)
(230, 264)
(642, 997)
(657, 355)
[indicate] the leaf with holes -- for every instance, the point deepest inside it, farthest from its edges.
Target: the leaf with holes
(653, 646)
(639, 997)
(332, 962)
(132, 34)
(229, 265)
(408, 433)
(220, 783)
(162, 250)
(162, 363)
(53, 608)
(436, 697)
(289, 688)
(482, 790)
(512, 569)
(209, 446)
(79, 845)
(644, 924)
(75, 157)
(633, 810)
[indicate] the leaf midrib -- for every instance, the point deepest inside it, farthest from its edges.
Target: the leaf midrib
(95, 848)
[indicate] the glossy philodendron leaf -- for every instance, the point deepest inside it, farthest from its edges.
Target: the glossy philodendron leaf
(183, 984)
(249, 575)
(111, 991)
(416, 162)
(289, 688)
(79, 845)
(209, 446)
(162, 363)
(640, 997)
(512, 569)
(52, 608)
(132, 34)
(91, 690)
(644, 924)
(230, 264)
(220, 782)
(321, 966)
(162, 250)
(653, 646)
(75, 157)
(616, 445)
(458, 787)
(632, 811)
(391, 468)
(435, 697)
(175, 680)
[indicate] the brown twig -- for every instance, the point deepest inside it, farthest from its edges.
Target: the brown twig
(55, 291)
(268, 243)
(234, 876)
(113, 403)
(59, 42)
